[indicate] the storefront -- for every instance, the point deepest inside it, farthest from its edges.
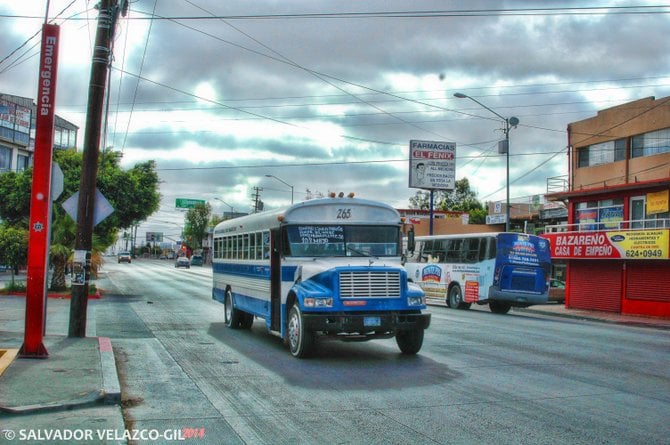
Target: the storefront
(617, 249)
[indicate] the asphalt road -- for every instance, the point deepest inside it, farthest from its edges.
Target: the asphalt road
(480, 377)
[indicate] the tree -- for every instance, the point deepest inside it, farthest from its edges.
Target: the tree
(420, 201)
(196, 223)
(461, 199)
(13, 248)
(133, 193)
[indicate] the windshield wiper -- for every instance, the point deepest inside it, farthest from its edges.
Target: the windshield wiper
(360, 253)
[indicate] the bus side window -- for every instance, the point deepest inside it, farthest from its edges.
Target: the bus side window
(426, 251)
(266, 245)
(483, 244)
(454, 251)
(492, 248)
(471, 250)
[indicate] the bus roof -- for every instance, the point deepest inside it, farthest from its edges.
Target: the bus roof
(315, 211)
(469, 235)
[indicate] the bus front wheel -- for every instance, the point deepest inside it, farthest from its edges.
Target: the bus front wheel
(409, 342)
(232, 316)
(455, 298)
(300, 341)
(499, 307)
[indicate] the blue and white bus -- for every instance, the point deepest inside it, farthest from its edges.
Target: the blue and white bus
(499, 269)
(325, 267)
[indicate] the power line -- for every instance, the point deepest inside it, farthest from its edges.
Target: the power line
(508, 12)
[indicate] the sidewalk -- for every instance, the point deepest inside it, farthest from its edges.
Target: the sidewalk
(559, 310)
(74, 395)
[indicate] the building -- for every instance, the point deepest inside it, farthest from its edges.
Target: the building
(616, 242)
(444, 222)
(17, 133)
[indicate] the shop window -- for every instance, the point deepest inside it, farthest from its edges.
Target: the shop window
(652, 143)
(600, 215)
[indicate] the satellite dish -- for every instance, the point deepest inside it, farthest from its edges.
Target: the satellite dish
(513, 121)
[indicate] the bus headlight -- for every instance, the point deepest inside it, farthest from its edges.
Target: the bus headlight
(416, 301)
(318, 302)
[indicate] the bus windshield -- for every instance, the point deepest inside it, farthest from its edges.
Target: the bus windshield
(342, 240)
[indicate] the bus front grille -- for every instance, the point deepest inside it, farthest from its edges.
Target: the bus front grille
(359, 284)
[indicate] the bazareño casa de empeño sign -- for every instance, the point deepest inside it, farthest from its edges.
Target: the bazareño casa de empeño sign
(634, 244)
(432, 165)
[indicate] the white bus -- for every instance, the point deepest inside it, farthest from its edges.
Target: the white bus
(322, 267)
(498, 269)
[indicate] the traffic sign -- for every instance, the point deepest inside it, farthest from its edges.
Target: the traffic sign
(101, 211)
(186, 203)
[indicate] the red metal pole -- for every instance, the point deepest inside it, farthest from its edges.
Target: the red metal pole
(40, 200)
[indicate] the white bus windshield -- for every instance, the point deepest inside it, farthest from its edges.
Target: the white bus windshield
(342, 240)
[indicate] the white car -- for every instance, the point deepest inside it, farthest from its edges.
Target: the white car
(182, 261)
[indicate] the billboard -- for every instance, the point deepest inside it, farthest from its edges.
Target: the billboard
(432, 165)
(632, 244)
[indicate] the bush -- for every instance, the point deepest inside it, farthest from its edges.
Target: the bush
(16, 286)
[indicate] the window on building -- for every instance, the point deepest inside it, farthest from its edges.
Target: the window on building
(602, 153)
(600, 215)
(22, 162)
(652, 143)
(5, 159)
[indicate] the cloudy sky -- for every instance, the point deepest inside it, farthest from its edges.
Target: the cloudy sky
(326, 95)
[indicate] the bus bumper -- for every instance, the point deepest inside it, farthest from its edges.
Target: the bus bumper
(518, 299)
(365, 322)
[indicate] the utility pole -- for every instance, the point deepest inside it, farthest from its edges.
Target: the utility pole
(109, 11)
(258, 204)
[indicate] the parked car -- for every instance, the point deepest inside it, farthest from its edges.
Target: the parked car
(182, 261)
(124, 257)
(557, 291)
(196, 260)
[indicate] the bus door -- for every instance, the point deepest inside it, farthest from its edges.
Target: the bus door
(275, 280)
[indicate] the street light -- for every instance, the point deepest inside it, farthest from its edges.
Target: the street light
(283, 182)
(232, 211)
(509, 122)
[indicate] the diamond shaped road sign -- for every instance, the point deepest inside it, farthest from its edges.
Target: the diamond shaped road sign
(102, 207)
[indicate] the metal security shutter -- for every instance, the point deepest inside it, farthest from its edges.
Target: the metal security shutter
(648, 281)
(596, 285)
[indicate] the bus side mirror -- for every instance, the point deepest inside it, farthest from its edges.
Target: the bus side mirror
(411, 243)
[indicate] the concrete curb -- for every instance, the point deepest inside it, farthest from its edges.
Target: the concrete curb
(91, 399)
(111, 387)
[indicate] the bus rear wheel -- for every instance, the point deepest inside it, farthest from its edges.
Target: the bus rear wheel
(231, 316)
(409, 342)
(455, 298)
(499, 307)
(300, 341)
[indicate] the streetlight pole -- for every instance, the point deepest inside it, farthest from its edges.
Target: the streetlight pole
(509, 122)
(232, 210)
(283, 182)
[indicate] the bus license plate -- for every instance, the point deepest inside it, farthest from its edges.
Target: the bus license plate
(372, 321)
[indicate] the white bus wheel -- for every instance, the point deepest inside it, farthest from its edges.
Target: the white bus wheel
(231, 315)
(300, 341)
